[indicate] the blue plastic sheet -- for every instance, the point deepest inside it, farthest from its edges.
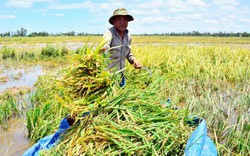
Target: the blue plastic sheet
(199, 143)
(51, 140)
(48, 141)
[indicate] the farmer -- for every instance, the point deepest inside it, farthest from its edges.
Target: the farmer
(119, 43)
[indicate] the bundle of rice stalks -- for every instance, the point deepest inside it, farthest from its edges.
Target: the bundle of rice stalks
(88, 74)
(133, 122)
(130, 121)
(86, 81)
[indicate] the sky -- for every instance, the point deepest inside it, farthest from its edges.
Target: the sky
(150, 16)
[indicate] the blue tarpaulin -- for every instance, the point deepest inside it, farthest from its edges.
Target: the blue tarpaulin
(51, 140)
(199, 143)
(48, 141)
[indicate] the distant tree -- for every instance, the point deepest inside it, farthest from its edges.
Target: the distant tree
(81, 34)
(70, 33)
(33, 34)
(23, 32)
(245, 34)
(5, 34)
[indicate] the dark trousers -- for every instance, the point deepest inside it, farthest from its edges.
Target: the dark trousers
(123, 81)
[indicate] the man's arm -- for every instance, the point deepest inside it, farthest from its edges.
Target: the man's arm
(130, 57)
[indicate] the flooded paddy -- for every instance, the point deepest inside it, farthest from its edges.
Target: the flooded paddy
(68, 45)
(13, 137)
(14, 141)
(19, 77)
(219, 91)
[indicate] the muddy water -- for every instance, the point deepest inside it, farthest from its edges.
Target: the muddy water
(20, 77)
(14, 141)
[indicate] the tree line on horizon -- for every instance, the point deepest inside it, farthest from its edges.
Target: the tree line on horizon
(24, 32)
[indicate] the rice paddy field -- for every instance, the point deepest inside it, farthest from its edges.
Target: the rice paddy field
(207, 77)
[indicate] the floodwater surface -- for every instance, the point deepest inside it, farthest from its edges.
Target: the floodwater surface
(13, 140)
(20, 77)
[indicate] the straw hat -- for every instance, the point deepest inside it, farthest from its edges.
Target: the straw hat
(120, 12)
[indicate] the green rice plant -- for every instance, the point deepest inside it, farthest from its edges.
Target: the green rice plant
(50, 51)
(64, 51)
(7, 53)
(41, 122)
(12, 104)
(27, 55)
(8, 108)
(80, 50)
(44, 113)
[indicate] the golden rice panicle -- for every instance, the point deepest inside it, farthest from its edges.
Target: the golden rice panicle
(88, 75)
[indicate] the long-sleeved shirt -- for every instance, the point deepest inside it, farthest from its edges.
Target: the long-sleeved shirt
(118, 48)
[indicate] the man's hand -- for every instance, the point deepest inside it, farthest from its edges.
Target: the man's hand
(102, 50)
(137, 64)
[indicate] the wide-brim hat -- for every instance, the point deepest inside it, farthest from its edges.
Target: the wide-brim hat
(120, 12)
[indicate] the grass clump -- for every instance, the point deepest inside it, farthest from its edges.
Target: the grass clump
(50, 51)
(10, 106)
(27, 55)
(7, 53)
(64, 51)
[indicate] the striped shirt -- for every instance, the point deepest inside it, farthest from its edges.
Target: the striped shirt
(118, 48)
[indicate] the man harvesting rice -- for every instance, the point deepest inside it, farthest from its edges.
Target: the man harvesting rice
(119, 42)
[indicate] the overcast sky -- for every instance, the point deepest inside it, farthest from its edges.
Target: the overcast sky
(151, 16)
